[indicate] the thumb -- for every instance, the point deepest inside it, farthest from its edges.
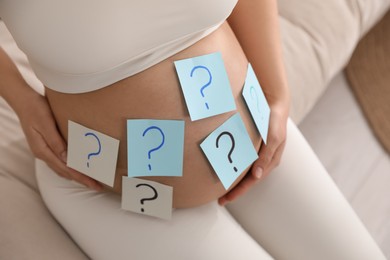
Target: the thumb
(265, 157)
(56, 143)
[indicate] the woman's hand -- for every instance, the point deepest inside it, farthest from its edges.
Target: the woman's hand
(255, 24)
(45, 140)
(37, 122)
(269, 155)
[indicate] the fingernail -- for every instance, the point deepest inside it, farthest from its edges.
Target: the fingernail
(259, 172)
(64, 156)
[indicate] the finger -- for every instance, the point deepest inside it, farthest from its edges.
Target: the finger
(84, 179)
(265, 157)
(58, 166)
(277, 157)
(55, 141)
(61, 169)
(42, 151)
(243, 186)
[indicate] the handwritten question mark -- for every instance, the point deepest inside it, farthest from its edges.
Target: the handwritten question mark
(155, 196)
(231, 149)
(95, 153)
(207, 84)
(156, 148)
(252, 89)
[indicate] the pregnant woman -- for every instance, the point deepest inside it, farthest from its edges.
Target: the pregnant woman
(103, 62)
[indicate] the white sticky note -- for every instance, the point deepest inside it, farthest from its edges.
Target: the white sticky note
(147, 197)
(92, 153)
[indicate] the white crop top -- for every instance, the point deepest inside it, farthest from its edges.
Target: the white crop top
(76, 46)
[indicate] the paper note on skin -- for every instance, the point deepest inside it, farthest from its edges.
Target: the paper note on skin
(147, 197)
(155, 147)
(92, 153)
(257, 103)
(229, 149)
(205, 85)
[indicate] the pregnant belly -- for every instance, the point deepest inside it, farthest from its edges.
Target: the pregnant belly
(155, 93)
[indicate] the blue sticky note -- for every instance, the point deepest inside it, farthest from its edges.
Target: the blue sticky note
(205, 85)
(257, 103)
(229, 150)
(155, 147)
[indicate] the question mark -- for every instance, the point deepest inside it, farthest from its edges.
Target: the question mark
(155, 196)
(231, 149)
(257, 98)
(100, 147)
(159, 146)
(207, 84)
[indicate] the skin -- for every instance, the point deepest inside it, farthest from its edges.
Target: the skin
(252, 35)
(155, 93)
(255, 24)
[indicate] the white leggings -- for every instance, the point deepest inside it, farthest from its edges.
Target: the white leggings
(297, 212)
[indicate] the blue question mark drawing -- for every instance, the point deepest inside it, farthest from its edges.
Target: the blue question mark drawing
(207, 84)
(100, 147)
(156, 148)
(252, 89)
(231, 149)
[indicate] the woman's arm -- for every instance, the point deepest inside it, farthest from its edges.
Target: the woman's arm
(13, 88)
(37, 121)
(255, 24)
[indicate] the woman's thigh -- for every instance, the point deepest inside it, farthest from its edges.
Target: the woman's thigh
(298, 212)
(98, 225)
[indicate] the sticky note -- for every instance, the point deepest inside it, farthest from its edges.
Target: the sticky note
(92, 153)
(155, 147)
(257, 103)
(147, 197)
(205, 85)
(229, 150)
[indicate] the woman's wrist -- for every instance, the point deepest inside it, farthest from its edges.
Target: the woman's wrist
(20, 97)
(13, 88)
(278, 100)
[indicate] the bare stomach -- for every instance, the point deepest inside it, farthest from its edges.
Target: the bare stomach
(155, 93)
